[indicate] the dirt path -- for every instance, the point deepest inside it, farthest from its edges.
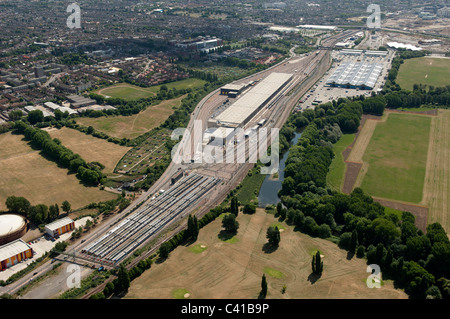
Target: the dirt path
(354, 153)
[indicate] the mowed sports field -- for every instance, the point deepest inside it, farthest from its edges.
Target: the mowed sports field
(406, 159)
(90, 148)
(214, 269)
(26, 173)
(132, 92)
(397, 158)
(424, 70)
(134, 125)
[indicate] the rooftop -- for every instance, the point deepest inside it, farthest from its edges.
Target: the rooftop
(356, 74)
(240, 110)
(13, 248)
(59, 223)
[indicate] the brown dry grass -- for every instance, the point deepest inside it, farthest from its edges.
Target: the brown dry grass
(90, 148)
(234, 270)
(437, 179)
(134, 125)
(24, 172)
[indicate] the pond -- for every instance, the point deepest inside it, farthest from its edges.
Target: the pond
(268, 193)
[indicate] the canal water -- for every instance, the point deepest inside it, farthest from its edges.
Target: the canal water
(268, 194)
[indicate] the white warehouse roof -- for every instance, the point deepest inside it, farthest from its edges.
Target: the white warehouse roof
(356, 74)
(59, 223)
(247, 104)
(13, 248)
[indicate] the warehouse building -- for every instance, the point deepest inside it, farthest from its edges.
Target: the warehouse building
(355, 75)
(249, 104)
(232, 90)
(59, 227)
(77, 101)
(14, 253)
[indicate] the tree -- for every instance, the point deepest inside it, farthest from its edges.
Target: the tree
(196, 228)
(353, 241)
(345, 240)
(263, 292)
(433, 293)
(234, 206)
(230, 223)
(360, 251)
(279, 208)
(38, 214)
(418, 247)
(66, 206)
(53, 212)
(317, 264)
(19, 205)
(35, 116)
(15, 115)
(123, 280)
(273, 235)
(164, 250)
(249, 209)
(193, 228)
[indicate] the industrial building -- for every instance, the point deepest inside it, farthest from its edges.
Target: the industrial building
(177, 176)
(77, 101)
(318, 27)
(232, 90)
(249, 104)
(200, 44)
(59, 227)
(12, 227)
(14, 253)
(354, 75)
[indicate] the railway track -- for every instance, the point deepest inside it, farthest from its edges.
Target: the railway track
(148, 220)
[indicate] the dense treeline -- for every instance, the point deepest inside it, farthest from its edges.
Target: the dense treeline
(88, 173)
(38, 214)
(415, 261)
(434, 97)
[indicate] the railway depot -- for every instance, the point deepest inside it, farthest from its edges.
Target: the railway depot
(248, 105)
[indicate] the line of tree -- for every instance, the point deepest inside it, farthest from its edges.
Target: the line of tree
(88, 173)
(38, 214)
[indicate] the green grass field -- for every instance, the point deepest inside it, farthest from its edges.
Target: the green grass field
(248, 193)
(397, 158)
(336, 173)
(430, 71)
(131, 92)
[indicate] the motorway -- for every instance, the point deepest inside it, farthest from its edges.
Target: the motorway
(307, 69)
